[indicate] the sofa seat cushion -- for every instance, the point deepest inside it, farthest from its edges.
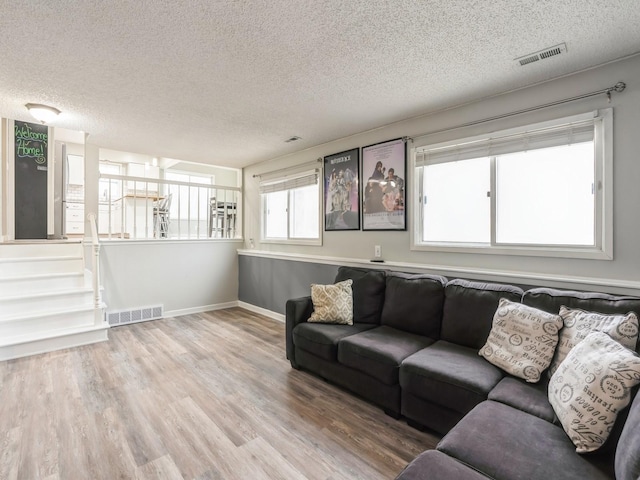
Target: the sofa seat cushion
(380, 351)
(506, 443)
(322, 339)
(529, 397)
(432, 465)
(450, 375)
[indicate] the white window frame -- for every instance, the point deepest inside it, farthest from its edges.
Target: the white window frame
(603, 147)
(288, 183)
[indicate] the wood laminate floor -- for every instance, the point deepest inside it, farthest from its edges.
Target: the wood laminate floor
(206, 396)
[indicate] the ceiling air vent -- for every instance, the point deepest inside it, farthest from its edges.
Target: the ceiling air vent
(295, 138)
(542, 54)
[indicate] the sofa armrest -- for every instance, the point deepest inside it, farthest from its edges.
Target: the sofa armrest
(298, 310)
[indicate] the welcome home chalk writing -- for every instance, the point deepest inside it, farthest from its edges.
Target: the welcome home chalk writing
(30, 143)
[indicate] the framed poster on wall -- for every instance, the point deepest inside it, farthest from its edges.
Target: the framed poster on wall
(342, 191)
(384, 167)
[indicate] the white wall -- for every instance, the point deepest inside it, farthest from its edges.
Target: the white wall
(124, 157)
(183, 276)
(623, 272)
(4, 159)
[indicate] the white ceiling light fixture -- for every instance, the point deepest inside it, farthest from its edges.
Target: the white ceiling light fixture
(42, 113)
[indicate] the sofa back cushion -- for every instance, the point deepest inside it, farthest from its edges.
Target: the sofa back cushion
(413, 303)
(627, 461)
(469, 308)
(368, 292)
(550, 300)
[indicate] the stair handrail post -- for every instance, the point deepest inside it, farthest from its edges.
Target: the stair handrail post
(95, 260)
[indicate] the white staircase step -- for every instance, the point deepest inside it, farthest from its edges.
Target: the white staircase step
(34, 303)
(47, 300)
(14, 267)
(47, 248)
(49, 282)
(46, 323)
(34, 344)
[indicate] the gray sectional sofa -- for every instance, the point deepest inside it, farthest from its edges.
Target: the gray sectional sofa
(413, 350)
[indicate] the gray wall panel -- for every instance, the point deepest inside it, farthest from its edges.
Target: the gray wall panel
(268, 283)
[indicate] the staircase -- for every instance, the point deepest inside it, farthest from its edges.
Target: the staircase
(47, 300)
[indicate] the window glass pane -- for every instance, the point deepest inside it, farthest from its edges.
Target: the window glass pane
(305, 209)
(457, 207)
(546, 196)
(276, 214)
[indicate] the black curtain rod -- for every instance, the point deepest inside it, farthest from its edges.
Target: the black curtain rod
(618, 87)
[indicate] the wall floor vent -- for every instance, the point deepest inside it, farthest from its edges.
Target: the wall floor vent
(542, 54)
(134, 315)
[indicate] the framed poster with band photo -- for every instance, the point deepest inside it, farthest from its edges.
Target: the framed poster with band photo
(342, 191)
(384, 167)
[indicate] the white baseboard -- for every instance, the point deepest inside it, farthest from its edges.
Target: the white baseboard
(221, 306)
(204, 308)
(262, 311)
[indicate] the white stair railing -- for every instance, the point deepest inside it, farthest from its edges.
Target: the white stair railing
(95, 260)
(132, 209)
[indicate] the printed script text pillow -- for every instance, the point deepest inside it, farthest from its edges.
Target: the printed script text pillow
(522, 340)
(332, 303)
(578, 324)
(591, 386)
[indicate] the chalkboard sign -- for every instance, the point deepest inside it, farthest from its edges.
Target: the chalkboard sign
(31, 165)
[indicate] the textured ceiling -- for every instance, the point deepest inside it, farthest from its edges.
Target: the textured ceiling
(226, 82)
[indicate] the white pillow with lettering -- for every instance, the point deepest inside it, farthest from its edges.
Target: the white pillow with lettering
(522, 340)
(591, 386)
(579, 323)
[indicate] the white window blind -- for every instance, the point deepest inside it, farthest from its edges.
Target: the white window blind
(543, 189)
(577, 129)
(289, 183)
(291, 206)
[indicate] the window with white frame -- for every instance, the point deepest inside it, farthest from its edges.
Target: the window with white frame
(543, 189)
(291, 209)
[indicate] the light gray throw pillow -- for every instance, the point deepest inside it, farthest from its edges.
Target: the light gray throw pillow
(522, 340)
(591, 386)
(579, 323)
